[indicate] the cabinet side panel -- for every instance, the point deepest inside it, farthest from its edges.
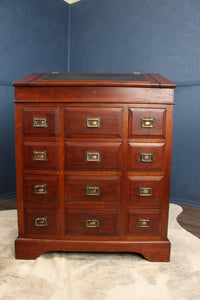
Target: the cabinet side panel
(19, 170)
(169, 126)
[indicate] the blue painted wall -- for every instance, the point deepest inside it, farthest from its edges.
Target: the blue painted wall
(149, 36)
(33, 38)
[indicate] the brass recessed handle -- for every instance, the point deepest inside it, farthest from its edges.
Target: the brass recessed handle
(40, 189)
(40, 156)
(41, 221)
(147, 123)
(93, 122)
(92, 223)
(145, 191)
(40, 122)
(144, 223)
(146, 157)
(93, 156)
(92, 190)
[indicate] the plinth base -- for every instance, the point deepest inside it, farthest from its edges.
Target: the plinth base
(26, 248)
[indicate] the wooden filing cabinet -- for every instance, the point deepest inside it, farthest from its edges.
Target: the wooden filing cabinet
(93, 161)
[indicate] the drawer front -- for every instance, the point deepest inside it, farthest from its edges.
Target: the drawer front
(146, 157)
(40, 222)
(92, 223)
(92, 156)
(93, 121)
(147, 122)
(40, 189)
(141, 223)
(40, 155)
(42, 121)
(145, 190)
(101, 189)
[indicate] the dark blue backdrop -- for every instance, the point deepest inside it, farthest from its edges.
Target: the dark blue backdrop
(33, 38)
(107, 36)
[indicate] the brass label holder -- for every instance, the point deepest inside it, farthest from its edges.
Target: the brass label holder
(92, 223)
(40, 155)
(41, 221)
(143, 223)
(147, 123)
(93, 156)
(146, 157)
(93, 122)
(145, 191)
(40, 123)
(92, 190)
(40, 189)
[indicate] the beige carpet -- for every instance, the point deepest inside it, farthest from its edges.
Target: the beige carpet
(100, 276)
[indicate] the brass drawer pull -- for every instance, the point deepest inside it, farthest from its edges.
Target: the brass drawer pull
(93, 123)
(145, 191)
(40, 123)
(40, 189)
(147, 123)
(144, 223)
(41, 221)
(92, 223)
(146, 157)
(96, 156)
(40, 156)
(92, 190)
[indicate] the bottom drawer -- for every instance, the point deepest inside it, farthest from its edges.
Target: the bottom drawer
(142, 223)
(92, 223)
(40, 222)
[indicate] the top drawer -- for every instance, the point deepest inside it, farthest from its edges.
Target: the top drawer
(147, 122)
(82, 121)
(40, 121)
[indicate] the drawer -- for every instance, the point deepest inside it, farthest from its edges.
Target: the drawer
(141, 223)
(92, 156)
(40, 189)
(87, 189)
(146, 156)
(148, 122)
(95, 121)
(145, 189)
(92, 223)
(40, 155)
(40, 222)
(43, 121)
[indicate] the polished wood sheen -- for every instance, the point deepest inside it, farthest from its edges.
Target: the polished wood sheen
(93, 161)
(38, 189)
(188, 218)
(90, 190)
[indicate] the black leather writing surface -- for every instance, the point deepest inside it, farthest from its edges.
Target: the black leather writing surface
(94, 77)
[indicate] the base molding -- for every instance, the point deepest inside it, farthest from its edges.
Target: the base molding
(26, 248)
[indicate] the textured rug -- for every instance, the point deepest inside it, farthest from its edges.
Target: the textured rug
(84, 276)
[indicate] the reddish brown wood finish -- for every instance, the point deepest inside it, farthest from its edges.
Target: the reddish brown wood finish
(108, 223)
(119, 173)
(155, 150)
(52, 94)
(137, 119)
(110, 122)
(42, 231)
(48, 148)
(27, 248)
(137, 198)
(107, 189)
(134, 229)
(39, 189)
(76, 155)
(50, 114)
